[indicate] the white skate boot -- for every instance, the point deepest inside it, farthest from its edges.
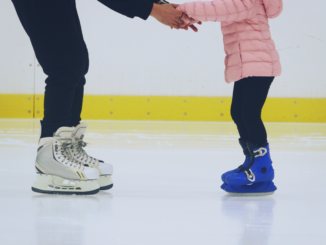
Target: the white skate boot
(79, 154)
(58, 172)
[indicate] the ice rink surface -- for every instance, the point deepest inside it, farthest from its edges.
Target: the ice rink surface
(167, 188)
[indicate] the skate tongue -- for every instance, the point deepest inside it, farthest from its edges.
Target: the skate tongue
(65, 132)
(80, 130)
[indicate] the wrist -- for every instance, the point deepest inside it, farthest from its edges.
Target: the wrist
(155, 10)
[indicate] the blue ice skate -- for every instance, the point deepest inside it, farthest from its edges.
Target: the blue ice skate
(245, 164)
(257, 177)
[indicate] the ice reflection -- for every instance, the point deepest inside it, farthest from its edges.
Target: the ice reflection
(255, 214)
(69, 219)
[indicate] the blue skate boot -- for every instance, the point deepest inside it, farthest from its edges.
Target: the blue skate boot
(257, 177)
(245, 164)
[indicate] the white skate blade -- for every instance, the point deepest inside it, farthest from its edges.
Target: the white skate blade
(105, 182)
(251, 194)
(51, 184)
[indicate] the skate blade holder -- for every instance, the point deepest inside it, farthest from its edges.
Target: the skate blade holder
(65, 188)
(67, 185)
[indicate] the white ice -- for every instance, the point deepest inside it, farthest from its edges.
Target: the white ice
(167, 188)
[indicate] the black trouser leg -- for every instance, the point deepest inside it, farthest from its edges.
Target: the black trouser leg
(77, 105)
(249, 96)
(54, 29)
(79, 91)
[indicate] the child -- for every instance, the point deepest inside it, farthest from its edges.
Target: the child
(252, 61)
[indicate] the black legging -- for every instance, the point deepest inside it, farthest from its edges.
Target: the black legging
(249, 96)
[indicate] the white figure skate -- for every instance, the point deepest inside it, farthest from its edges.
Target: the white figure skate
(79, 154)
(58, 172)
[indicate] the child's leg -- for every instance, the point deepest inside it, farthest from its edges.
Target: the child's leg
(255, 91)
(236, 109)
(236, 113)
(257, 176)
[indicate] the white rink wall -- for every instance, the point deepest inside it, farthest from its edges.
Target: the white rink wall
(136, 57)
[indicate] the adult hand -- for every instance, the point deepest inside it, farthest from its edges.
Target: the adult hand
(189, 22)
(167, 15)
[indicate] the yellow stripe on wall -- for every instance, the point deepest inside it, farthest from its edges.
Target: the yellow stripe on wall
(167, 108)
(16, 106)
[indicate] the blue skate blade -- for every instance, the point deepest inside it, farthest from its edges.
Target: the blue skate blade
(256, 188)
(223, 186)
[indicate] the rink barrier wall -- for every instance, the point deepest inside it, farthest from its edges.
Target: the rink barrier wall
(167, 108)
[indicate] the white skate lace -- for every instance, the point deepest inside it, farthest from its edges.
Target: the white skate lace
(62, 152)
(260, 152)
(80, 153)
(250, 175)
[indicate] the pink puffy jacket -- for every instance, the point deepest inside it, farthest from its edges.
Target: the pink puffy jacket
(249, 49)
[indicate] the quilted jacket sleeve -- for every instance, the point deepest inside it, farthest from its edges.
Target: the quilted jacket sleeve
(130, 8)
(219, 10)
(273, 8)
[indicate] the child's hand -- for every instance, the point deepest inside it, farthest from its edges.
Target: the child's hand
(188, 22)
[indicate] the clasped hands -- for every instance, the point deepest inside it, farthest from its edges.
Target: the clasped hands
(168, 15)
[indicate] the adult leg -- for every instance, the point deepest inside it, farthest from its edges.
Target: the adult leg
(255, 92)
(59, 48)
(79, 91)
